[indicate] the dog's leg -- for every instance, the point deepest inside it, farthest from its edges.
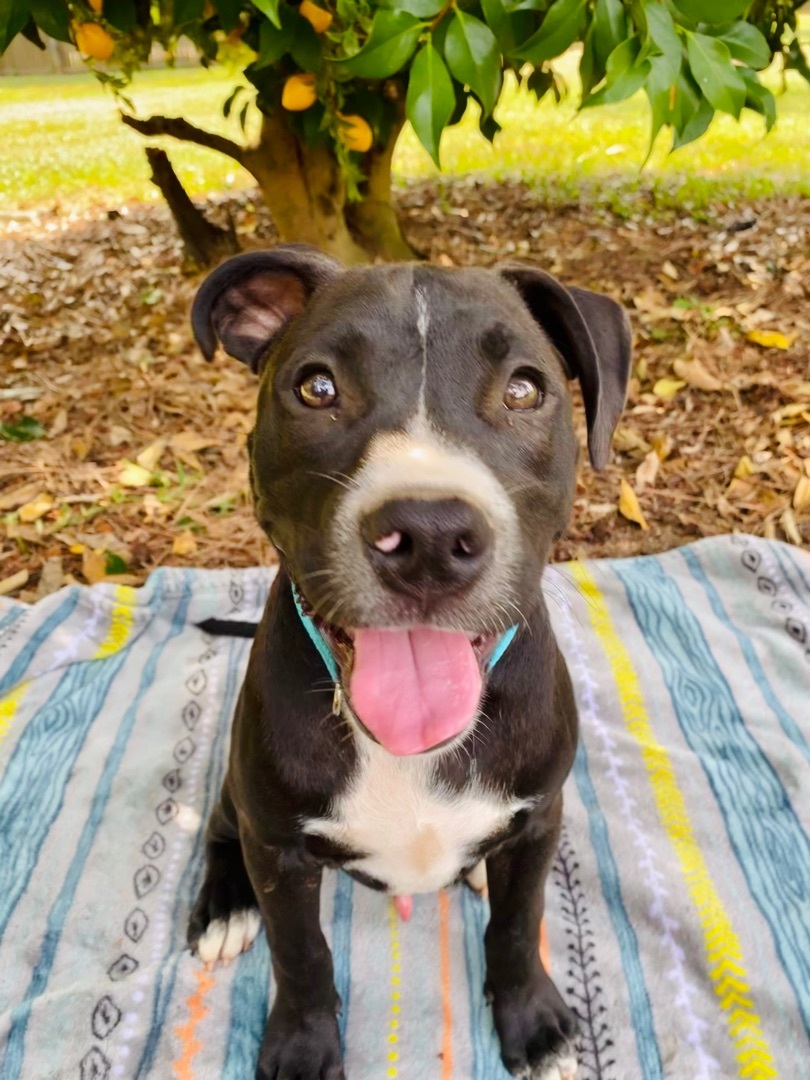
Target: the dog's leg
(534, 1024)
(225, 919)
(301, 1040)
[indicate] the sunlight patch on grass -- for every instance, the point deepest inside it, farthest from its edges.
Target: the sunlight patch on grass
(61, 141)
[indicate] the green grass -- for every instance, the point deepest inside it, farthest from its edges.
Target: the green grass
(61, 142)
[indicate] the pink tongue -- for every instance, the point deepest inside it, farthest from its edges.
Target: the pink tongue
(413, 689)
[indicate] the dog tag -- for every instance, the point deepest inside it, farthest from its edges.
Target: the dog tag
(337, 700)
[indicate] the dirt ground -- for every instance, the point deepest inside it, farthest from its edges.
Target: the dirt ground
(136, 447)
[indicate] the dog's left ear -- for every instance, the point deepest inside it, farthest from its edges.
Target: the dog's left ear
(248, 301)
(592, 334)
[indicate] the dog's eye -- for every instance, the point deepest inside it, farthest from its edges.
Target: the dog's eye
(317, 390)
(523, 391)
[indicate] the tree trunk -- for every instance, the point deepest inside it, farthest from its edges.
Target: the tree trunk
(304, 189)
(204, 243)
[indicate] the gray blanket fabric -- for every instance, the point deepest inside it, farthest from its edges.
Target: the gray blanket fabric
(678, 921)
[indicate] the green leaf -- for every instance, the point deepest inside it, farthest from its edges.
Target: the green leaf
(563, 24)
(662, 33)
(187, 11)
(627, 71)
(540, 82)
(270, 9)
(591, 72)
(26, 429)
(390, 45)
(273, 43)
(430, 100)
(472, 55)
(746, 44)
(759, 98)
(305, 44)
(721, 83)
(712, 11)
(489, 127)
(121, 14)
(52, 17)
(422, 9)
(14, 14)
(229, 12)
(114, 564)
(693, 113)
(31, 33)
(609, 29)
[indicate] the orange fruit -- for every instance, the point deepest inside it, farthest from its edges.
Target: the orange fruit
(319, 20)
(93, 40)
(299, 92)
(355, 132)
(96, 5)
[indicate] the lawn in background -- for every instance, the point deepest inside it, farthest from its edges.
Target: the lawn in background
(61, 142)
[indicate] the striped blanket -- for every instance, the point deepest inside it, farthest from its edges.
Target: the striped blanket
(678, 919)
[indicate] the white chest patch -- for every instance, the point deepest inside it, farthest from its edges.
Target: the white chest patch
(417, 835)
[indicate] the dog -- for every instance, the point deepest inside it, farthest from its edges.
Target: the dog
(413, 461)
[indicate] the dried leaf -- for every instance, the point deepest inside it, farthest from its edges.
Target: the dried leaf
(11, 584)
(772, 339)
(627, 439)
(694, 373)
(668, 388)
(37, 508)
(191, 441)
(150, 456)
(663, 445)
(629, 506)
(12, 499)
(60, 423)
(94, 566)
(801, 494)
(800, 390)
(184, 543)
(51, 577)
(669, 270)
(647, 470)
(745, 468)
(132, 475)
(790, 528)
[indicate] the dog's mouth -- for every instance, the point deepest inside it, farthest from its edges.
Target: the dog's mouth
(411, 689)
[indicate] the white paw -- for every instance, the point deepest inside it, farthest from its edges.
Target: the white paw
(563, 1066)
(225, 939)
(477, 877)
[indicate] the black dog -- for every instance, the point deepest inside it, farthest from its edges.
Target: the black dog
(413, 461)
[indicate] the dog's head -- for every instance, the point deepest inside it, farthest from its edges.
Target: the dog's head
(414, 454)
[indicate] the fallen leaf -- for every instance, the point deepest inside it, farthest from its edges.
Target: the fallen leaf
(790, 528)
(191, 441)
(629, 506)
(648, 470)
(118, 435)
(150, 456)
(800, 390)
(60, 423)
(11, 584)
(801, 494)
(94, 566)
(663, 445)
(37, 508)
(132, 475)
(184, 543)
(51, 577)
(745, 468)
(627, 439)
(79, 447)
(772, 339)
(668, 388)
(12, 499)
(670, 271)
(694, 373)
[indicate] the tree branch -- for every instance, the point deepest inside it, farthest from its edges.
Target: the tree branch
(179, 128)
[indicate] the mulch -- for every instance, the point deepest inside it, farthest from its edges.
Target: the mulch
(136, 447)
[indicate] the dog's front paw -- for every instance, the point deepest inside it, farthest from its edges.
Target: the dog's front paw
(536, 1029)
(303, 1046)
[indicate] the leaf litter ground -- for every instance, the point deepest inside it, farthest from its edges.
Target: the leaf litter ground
(135, 454)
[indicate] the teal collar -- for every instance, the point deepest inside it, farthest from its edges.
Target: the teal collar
(325, 653)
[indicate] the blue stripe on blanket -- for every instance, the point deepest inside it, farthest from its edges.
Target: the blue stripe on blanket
(58, 914)
(766, 836)
(788, 724)
(18, 669)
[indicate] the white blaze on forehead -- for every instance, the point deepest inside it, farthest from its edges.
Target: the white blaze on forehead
(422, 325)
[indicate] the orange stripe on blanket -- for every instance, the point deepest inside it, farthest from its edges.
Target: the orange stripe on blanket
(447, 1008)
(186, 1033)
(545, 956)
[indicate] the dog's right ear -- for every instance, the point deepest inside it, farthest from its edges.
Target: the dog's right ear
(247, 302)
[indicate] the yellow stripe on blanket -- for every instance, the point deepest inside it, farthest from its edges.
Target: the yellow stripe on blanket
(115, 639)
(723, 951)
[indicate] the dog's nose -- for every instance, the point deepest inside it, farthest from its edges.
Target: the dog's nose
(427, 546)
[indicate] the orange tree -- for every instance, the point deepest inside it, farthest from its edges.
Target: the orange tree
(336, 80)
